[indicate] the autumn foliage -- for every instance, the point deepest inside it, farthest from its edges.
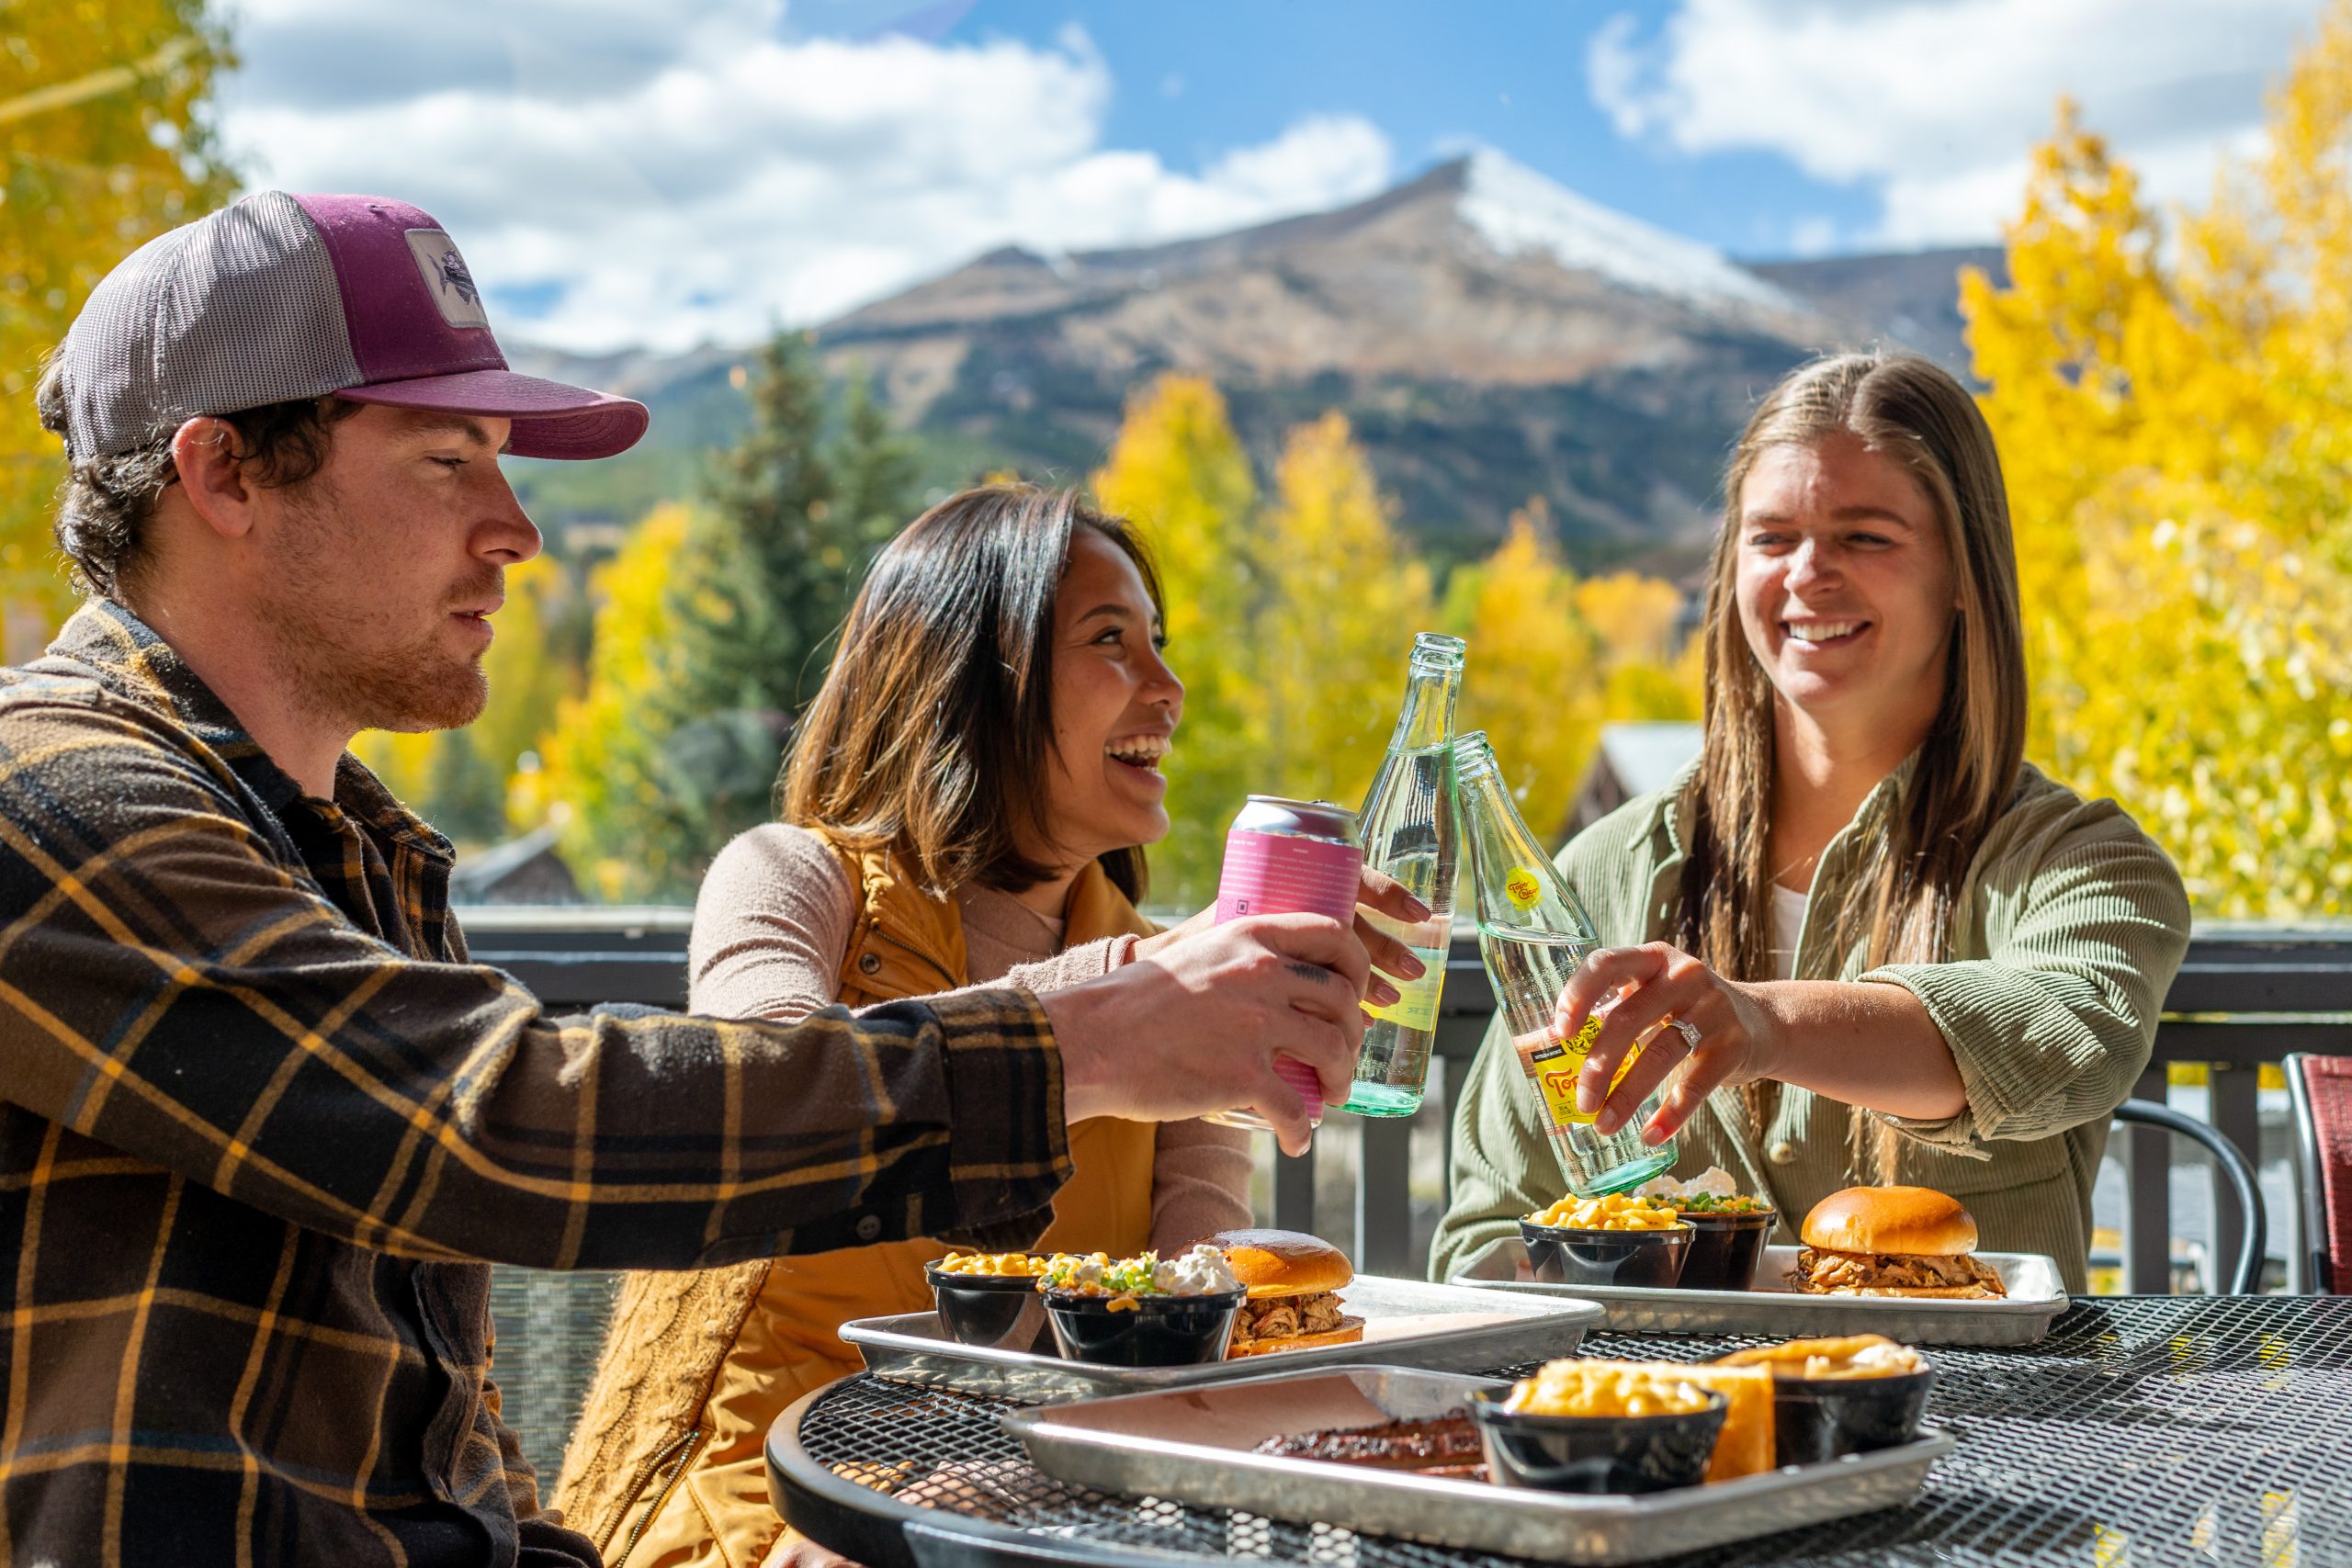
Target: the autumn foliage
(2173, 401)
(103, 145)
(1290, 619)
(2172, 394)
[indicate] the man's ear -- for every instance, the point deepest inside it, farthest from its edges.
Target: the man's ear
(207, 454)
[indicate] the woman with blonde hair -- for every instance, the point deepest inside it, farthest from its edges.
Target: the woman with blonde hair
(1885, 948)
(966, 802)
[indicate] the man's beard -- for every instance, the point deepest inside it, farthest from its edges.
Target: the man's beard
(318, 630)
(423, 687)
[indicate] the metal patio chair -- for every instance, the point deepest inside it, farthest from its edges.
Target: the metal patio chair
(2318, 1099)
(2246, 1279)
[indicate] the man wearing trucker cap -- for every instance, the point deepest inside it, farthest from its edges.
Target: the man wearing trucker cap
(260, 1120)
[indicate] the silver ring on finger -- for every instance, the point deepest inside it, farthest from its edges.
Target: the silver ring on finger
(1688, 1030)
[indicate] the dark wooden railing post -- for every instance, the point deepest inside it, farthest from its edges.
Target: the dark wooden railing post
(2235, 1113)
(1294, 1191)
(2146, 1157)
(1384, 1217)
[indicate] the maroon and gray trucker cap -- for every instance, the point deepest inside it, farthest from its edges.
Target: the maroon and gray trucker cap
(281, 297)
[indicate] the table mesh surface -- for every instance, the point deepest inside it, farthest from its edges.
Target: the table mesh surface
(2142, 1431)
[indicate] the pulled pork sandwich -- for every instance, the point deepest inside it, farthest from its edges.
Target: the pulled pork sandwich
(1891, 1241)
(1293, 1281)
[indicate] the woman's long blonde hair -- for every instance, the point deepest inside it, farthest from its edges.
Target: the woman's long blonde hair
(1908, 409)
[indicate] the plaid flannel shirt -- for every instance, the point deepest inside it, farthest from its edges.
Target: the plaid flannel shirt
(261, 1123)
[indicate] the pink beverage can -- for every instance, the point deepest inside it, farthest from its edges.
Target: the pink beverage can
(1289, 857)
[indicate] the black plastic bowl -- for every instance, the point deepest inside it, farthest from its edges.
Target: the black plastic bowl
(1595, 1453)
(1819, 1418)
(1159, 1331)
(1725, 1249)
(997, 1312)
(1561, 1255)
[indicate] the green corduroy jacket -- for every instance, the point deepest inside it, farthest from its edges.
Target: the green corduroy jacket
(2064, 939)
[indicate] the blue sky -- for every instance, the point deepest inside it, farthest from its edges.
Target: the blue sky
(1513, 76)
(624, 174)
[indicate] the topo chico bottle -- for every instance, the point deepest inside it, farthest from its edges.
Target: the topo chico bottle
(1532, 933)
(1408, 826)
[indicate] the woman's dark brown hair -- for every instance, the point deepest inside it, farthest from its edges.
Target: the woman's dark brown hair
(1908, 409)
(934, 734)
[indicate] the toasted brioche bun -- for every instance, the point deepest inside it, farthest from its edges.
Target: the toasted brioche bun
(1350, 1332)
(1913, 1220)
(1283, 1263)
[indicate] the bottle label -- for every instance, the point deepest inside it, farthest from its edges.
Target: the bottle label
(1281, 874)
(1554, 1068)
(1524, 888)
(1417, 1009)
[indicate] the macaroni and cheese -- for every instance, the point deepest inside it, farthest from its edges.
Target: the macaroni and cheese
(1576, 1387)
(1614, 1211)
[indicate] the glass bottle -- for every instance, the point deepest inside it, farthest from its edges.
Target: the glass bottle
(1408, 829)
(1532, 933)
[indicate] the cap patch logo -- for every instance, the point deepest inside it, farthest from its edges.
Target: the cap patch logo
(447, 279)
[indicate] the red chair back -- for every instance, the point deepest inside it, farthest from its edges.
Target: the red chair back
(2321, 1089)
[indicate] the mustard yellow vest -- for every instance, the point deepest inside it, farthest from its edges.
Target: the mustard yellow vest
(665, 1469)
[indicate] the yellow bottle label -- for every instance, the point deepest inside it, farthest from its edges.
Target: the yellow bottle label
(1416, 1007)
(1556, 1068)
(1524, 888)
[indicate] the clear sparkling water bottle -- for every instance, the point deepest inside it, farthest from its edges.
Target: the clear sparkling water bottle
(1532, 933)
(1408, 825)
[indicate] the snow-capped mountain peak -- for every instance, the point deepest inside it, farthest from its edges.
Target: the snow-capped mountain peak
(1514, 209)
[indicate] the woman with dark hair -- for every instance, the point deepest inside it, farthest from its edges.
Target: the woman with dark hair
(966, 803)
(1899, 952)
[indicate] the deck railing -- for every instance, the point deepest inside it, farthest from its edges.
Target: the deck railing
(2245, 998)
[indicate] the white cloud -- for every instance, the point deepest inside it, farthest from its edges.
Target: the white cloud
(1813, 235)
(665, 174)
(1936, 102)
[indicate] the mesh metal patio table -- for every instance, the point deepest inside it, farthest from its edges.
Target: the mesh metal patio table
(2195, 1430)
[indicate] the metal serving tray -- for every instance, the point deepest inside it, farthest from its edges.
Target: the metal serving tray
(2036, 1298)
(1192, 1446)
(1408, 1323)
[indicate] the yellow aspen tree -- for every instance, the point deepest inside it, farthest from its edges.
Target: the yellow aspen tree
(1632, 617)
(401, 760)
(597, 766)
(1633, 623)
(1535, 681)
(1177, 469)
(528, 679)
(104, 143)
(1343, 599)
(2173, 414)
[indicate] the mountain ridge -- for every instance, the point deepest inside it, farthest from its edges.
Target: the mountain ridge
(1492, 336)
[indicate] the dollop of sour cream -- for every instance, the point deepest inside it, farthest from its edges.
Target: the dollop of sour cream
(1202, 1271)
(1884, 1360)
(1713, 1183)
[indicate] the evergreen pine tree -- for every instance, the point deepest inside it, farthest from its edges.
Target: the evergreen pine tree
(876, 471)
(465, 795)
(765, 577)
